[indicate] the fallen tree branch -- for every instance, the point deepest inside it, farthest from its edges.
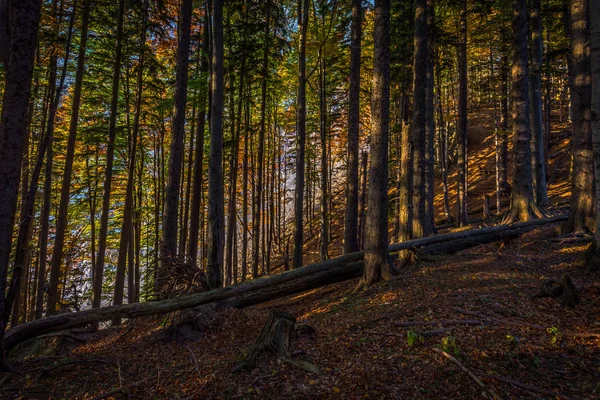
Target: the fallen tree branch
(530, 388)
(263, 289)
(468, 372)
(444, 322)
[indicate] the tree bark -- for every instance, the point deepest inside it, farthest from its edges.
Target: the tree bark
(61, 220)
(537, 140)
(377, 262)
(461, 133)
(112, 131)
(429, 226)
(522, 206)
(581, 214)
(13, 130)
(352, 181)
(216, 197)
(419, 121)
(301, 135)
(168, 250)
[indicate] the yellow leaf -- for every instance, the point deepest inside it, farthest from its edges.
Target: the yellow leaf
(336, 389)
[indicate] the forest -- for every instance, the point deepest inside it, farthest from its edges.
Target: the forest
(300, 199)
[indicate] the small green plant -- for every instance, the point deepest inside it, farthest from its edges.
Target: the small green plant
(413, 337)
(555, 335)
(449, 344)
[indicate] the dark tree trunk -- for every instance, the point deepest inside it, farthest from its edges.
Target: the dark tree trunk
(537, 138)
(61, 221)
(504, 129)
(522, 191)
(13, 130)
(429, 221)
(377, 263)
(168, 250)
(127, 224)
(352, 183)
(363, 201)
(323, 133)
(216, 212)
(461, 133)
(112, 131)
(581, 214)
(198, 155)
(301, 135)
(419, 129)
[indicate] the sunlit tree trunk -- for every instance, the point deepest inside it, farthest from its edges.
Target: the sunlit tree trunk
(376, 258)
(581, 217)
(522, 191)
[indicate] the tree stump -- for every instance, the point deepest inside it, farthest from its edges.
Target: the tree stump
(565, 291)
(275, 339)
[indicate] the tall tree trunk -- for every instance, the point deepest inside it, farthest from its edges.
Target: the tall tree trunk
(352, 183)
(13, 129)
(377, 262)
(198, 154)
(61, 220)
(537, 139)
(112, 131)
(594, 10)
(301, 135)
(245, 190)
(419, 129)
(581, 216)
(127, 224)
(216, 218)
(522, 192)
(323, 130)
(429, 222)
(168, 250)
(256, 218)
(504, 130)
(461, 133)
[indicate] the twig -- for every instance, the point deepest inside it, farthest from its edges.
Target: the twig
(4, 380)
(118, 364)
(47, 370)
(468, 372)
(529, 388)
(195, 361)
(384, 333)
(441, 322)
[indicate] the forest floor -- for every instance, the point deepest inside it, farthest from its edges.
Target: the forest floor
(359, 346)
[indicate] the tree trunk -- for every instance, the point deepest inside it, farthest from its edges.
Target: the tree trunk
(112, 131)
(537, 139)
(581, 214)
(377, 263)
(363, 200)
(593, 263)
(61, 221)
(522, 191)
(429, 222)
(323, 130)
(192, 251)
(127, 225)
(13, 130)
(352, 183)
(461, 133)
(419, 128)
(168, 250)
(301, 135)
(216, 198)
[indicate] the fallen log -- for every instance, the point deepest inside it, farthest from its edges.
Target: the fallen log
(262, 289)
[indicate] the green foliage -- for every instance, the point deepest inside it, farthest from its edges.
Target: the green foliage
(413, 337)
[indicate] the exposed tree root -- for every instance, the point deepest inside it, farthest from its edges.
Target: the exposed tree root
(275, 339)
(592, 257)
(565, 291)
(516, 214)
